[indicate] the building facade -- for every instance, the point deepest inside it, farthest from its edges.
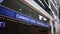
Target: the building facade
(29, 16)
(47, 8)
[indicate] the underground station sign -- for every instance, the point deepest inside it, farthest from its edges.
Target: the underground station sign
(14, 14)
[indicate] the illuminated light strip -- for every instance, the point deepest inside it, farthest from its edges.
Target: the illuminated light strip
(41, 2)
(19, 16)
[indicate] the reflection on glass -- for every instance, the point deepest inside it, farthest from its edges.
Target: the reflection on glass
(2, 24)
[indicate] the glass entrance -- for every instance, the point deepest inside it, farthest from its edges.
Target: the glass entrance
(18, 28)
(43, 31)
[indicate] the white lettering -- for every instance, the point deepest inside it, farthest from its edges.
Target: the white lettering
(22, 17)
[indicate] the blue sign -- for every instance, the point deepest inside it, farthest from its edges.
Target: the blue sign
(13, 14)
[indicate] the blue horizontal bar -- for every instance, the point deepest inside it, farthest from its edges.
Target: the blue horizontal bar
(10, 13)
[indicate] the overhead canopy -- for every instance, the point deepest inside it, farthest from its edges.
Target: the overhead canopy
(18, 16)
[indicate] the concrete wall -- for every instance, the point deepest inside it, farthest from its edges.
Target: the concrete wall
(57, 26)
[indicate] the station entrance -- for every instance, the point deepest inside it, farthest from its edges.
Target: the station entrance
(14, 27)
(17, 27)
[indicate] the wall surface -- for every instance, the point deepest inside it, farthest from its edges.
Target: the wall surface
(57, 26)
